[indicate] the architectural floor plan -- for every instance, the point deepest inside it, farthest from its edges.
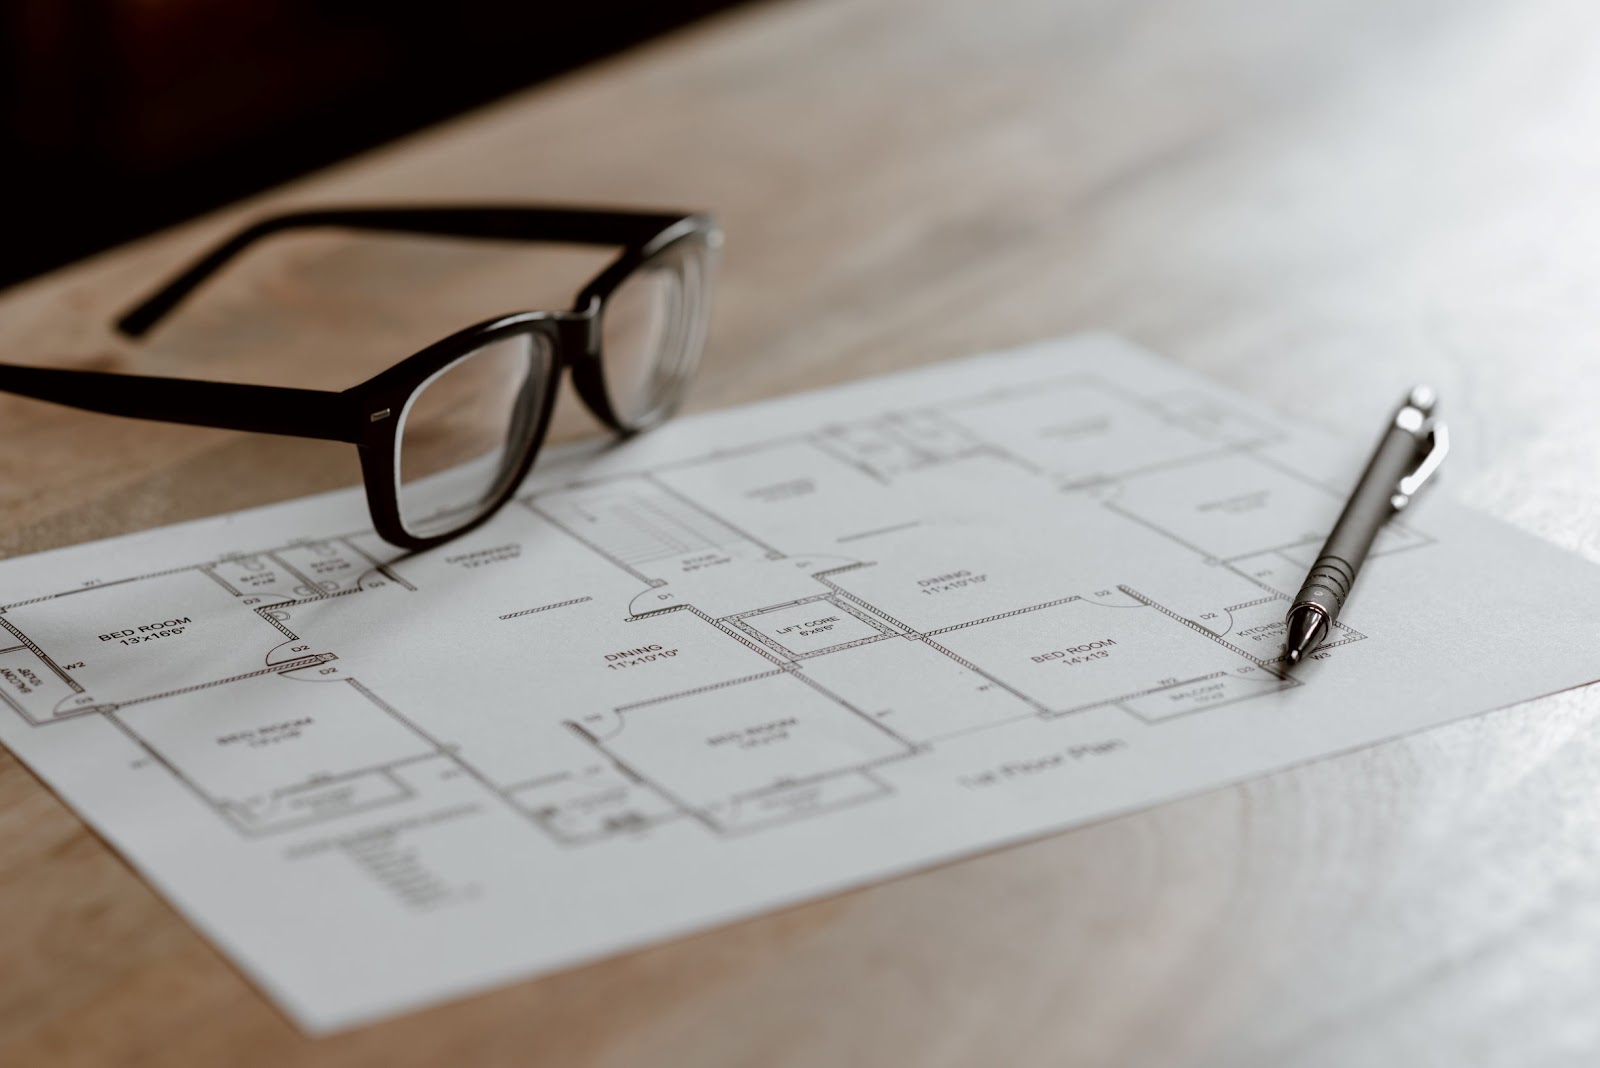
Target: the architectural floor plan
(744, 660)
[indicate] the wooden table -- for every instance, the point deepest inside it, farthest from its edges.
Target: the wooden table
(1356, 194)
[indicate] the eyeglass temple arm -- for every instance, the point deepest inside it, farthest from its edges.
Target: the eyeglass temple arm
(578, 226)
(306, 413)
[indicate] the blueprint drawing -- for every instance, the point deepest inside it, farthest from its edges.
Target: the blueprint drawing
(748, 659)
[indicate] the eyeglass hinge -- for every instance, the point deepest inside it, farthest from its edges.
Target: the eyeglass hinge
(377, 417)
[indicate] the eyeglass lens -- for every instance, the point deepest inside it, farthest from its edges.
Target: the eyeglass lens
(465, 432)
(651, 332)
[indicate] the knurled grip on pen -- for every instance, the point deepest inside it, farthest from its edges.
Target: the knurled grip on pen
(1327, 585)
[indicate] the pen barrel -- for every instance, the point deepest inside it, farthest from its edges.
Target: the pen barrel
(1369, 507)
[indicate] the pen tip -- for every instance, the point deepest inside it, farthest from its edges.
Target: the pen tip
(1305, 627)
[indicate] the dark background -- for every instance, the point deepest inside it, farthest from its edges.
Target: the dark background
(121, 117)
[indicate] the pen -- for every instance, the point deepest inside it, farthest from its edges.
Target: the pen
(1411, 449)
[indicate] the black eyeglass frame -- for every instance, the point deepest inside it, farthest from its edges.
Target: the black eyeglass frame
(368, 415)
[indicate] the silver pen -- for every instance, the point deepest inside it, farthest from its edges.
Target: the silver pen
(1411, 449)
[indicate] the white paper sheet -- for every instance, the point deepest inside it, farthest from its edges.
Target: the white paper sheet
(747, 659)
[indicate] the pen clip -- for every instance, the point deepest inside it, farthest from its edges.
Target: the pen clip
(1438, 448)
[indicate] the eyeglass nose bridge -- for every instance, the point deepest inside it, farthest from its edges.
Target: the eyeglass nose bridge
(578, 330)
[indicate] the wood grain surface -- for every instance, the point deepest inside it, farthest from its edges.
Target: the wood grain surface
(1316, 202)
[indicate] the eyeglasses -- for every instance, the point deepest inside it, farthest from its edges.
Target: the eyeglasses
(448, 434)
